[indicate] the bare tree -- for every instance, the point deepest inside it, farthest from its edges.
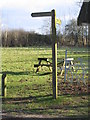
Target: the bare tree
(46, 27)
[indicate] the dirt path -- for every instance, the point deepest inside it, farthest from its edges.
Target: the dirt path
(39, 117)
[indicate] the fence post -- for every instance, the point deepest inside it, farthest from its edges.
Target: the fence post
(3, 85)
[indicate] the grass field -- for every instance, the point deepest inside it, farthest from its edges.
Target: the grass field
(30, 93)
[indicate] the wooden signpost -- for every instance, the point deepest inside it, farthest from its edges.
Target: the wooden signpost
(54, 46)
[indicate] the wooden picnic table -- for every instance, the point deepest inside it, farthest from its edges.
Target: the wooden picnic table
(40, 64)
(66, 64)
(61, 63)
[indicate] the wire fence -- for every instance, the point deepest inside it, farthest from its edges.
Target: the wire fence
(73, 78)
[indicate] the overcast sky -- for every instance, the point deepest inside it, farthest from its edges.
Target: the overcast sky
(16, 14)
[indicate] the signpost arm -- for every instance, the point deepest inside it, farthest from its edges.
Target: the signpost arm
(41, 14)
(54, 54)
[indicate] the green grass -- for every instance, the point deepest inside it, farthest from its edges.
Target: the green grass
(29, 92)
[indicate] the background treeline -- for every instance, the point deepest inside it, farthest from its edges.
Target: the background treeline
(21, 38)
(71, 36)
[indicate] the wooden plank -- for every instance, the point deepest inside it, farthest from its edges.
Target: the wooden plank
(47, 65)
(41, 14)
(36, 65)
(45, 59)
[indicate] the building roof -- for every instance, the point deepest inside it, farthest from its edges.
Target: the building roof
(84, 15)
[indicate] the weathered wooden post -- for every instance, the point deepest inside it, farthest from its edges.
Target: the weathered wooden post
(54, 54)
(54, 46)
(88, 35)
(3, 85)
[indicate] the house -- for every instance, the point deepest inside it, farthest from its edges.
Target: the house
(84, 17)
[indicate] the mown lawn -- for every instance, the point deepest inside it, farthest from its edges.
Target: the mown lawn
(29, 92)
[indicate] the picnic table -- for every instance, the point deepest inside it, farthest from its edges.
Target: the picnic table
(61, 63)
(40, 64)
(66, 64)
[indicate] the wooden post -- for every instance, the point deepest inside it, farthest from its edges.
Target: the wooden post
(54, 46)
(88, 57)
(54, 54)
(3, 85)
(88, 36)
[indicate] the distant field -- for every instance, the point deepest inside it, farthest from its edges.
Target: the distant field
(29, 92)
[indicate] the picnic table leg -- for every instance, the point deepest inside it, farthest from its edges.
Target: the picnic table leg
(72, 65)
(38, 66)
(63, 68)
(50, 68)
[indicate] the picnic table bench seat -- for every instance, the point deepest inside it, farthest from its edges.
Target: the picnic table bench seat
(37, 65)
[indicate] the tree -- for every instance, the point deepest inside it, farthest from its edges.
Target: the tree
(75, 35)
(46, 27)
(71, 32)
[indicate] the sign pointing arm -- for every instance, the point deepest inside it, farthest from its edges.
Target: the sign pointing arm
(41, 14)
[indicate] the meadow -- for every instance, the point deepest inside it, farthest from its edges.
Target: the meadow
(30, 93)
